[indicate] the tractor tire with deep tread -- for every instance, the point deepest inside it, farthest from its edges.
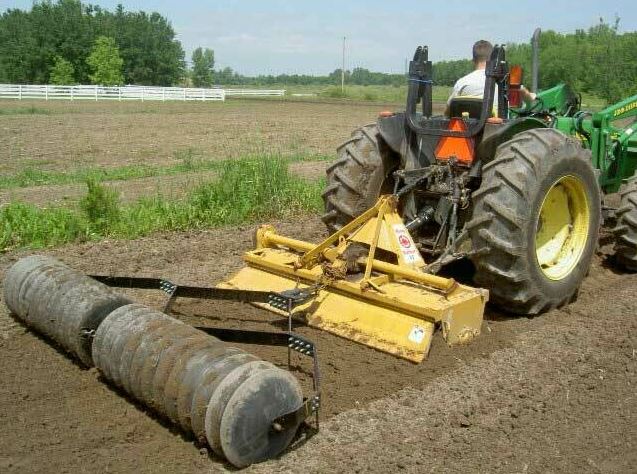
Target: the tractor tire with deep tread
(361, 173)
(506, 220)
(626, 229)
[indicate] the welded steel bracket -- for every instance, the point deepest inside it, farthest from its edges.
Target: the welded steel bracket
(294, 342)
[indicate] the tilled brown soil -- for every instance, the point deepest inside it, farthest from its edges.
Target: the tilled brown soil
(554, 393)
(105, 134)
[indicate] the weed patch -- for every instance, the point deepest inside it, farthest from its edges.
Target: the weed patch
(246, 191)
(24, 225)
(30, 110)
(189, 161)
(101, 206)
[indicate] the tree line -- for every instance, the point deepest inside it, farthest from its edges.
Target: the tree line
(68, 42)
(357, 76)
(600, 60)
(445, 73)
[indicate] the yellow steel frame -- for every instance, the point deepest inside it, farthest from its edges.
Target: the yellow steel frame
(393, 307)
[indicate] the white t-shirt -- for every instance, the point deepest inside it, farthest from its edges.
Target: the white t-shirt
(472, 85)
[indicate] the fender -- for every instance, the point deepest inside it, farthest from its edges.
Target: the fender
(494, 136)
(393, 130)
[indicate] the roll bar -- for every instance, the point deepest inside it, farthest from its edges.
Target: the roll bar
(420, 90)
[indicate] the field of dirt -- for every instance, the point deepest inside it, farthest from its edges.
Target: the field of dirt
(554, 393)
(65, 135)
(69, 136)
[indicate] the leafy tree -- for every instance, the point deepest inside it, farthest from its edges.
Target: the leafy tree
(62, 72)
(335, 76)
(446, 73)
(203, 62)
(151, 54)
(17, 44)
(105, 62)
(598, 60)
(31, 40)
(226, 76)
(58, 29)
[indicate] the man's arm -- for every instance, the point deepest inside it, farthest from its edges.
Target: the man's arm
(527, 96)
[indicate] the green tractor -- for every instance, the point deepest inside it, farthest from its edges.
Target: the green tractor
(519, 192)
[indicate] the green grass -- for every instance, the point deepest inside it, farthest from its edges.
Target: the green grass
(246, 191)
(37, 177)
(24, 225)
(592, 102)
(29, 110)
(385, 94)
(189, 161)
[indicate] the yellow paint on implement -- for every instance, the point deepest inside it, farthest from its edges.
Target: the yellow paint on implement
(562, 228)
(391, 306)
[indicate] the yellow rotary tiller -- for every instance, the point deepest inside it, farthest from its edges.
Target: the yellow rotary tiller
(366, 282)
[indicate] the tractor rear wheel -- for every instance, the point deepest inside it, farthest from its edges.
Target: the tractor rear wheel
(626, 229)
(535, 222)
(361, 173)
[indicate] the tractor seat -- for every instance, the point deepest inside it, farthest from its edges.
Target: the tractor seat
(470, 104)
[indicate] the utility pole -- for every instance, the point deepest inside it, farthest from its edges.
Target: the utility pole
(343, 69)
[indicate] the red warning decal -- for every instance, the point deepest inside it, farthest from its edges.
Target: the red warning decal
(410, 253)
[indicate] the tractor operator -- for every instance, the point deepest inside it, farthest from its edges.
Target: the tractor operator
(472, 85)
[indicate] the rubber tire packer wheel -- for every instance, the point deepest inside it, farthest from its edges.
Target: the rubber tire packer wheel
(626, 229)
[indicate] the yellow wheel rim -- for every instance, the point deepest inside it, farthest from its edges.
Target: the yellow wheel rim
(562, 228)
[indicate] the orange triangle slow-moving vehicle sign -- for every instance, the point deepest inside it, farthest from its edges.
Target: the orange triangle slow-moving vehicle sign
(458, 147)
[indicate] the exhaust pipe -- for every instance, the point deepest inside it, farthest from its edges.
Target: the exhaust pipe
(535, 67)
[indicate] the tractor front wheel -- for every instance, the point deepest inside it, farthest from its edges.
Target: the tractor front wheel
(535, 222)
(626, 229)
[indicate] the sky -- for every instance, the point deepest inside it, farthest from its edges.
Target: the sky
(306, 37)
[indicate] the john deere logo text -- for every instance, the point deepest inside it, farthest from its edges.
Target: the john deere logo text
(625, 108)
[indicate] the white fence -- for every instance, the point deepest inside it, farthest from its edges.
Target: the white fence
(50, 92)
(254, 92)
